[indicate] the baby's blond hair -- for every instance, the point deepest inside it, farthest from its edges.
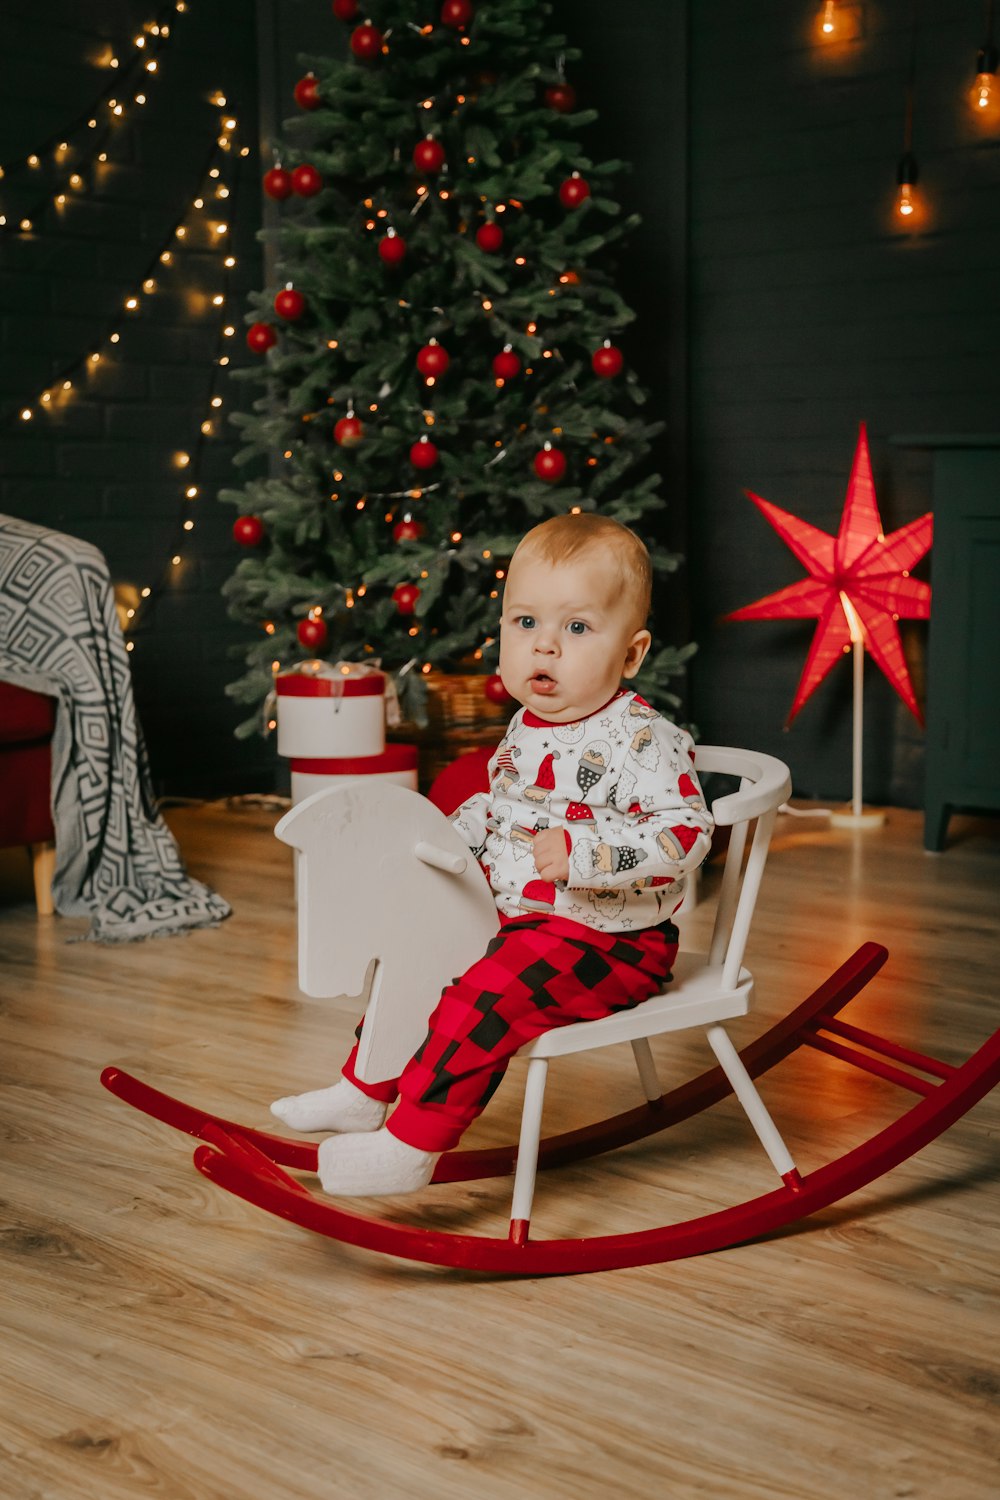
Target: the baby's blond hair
(564, 537)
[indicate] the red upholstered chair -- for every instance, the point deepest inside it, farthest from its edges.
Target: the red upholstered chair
(27, 721)
(461, 780)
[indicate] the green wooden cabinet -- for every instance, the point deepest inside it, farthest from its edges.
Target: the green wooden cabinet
(963, 675)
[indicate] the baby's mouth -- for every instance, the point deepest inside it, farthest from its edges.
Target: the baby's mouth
(542, 682)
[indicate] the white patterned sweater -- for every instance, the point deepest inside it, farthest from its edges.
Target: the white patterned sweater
(621, 784)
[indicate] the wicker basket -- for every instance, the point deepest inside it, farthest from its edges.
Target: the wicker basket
(460, 717)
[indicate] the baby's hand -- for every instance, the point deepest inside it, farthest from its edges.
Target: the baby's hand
(551, 855)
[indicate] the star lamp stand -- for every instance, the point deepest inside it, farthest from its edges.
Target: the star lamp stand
(859, 586)
(857, 815)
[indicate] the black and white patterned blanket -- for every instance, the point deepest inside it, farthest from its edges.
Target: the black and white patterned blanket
(116, 860)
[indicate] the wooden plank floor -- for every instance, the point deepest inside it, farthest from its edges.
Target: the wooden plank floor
(162, 1339)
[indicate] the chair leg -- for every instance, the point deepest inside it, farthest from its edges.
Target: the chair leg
(43, 867)
(746, 1092)
(643, 1055)
(527, 1149)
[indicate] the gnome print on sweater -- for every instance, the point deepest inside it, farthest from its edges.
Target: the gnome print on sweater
(621, 784)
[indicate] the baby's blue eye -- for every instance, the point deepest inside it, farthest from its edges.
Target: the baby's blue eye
(527, 622)
(577, 627)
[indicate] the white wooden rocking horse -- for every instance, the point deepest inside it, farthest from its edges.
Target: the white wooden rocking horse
(392, 905)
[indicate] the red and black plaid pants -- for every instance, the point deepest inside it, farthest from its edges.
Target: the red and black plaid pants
(537, 973)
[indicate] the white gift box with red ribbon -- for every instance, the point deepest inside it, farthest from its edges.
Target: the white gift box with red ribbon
(397, 763)
(330, 712)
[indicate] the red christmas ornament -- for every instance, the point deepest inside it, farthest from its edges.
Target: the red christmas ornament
(392, 248)
(574, 191)
(348, 432)
(550, 464)
(278, 184)
(506, 364)
(607, 361)
(366, 41)
(424, 454)
(345, 10)
(248, 531)
(406, 596)
(407, 531)
(489, 238)
(494, 690)
(306, 181)
(428, 155)
(306, 92)
(432, 360)
(561, 97)
(312, 633)
(456, 13)
(261, 337)
(289, 304)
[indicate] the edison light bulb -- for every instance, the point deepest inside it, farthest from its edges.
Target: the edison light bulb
(984, 96)
(839, 22)
(908, 207)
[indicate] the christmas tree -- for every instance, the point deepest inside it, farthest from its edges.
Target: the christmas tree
(439, 355)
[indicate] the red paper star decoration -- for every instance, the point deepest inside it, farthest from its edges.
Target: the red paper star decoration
(859, 584)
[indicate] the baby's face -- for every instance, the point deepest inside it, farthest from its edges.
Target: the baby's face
(567, 636)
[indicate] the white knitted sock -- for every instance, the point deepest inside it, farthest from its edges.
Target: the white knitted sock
(343, 1106)
(369, 1166)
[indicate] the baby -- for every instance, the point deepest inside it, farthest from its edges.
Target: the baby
(593, 818)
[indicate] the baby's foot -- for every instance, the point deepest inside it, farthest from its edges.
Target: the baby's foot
(373, 1165)
(341, 1107)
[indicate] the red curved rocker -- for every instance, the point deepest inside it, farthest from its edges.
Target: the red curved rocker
(706, 989)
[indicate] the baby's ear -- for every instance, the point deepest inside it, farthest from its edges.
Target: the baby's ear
(635, 653)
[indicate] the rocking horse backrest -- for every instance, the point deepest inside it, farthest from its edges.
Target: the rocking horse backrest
(765, 784)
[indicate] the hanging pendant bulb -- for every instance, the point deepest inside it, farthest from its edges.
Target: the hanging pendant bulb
(984, 96)
(837, 22)
(907, 207)
(906, 177)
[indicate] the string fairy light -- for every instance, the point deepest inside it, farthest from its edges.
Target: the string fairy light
(207, 427)
(93, 128)
(69, 380)
(132, 302)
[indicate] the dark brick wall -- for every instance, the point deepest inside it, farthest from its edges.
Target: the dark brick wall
(776, 307)
(100, 464)
(810, 312)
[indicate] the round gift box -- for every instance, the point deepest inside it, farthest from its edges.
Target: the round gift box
(397, 763)
(330, 717)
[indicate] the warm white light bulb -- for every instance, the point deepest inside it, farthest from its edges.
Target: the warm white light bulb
(984, 95)
(984, 91)
(904, 203)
